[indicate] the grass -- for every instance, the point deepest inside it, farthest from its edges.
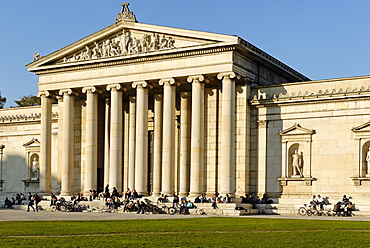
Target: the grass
(198, 232)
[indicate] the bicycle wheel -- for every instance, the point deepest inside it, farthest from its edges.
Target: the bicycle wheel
(164, 209)
(309, 213)
(63, 208)
(171, 211)
(302, 211)
(315, 212)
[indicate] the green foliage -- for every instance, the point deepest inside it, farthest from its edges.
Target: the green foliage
(29, 100)
(197, 232)
(2, 101)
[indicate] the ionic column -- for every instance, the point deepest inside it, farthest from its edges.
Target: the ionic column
(91, 149)
(185, 121)
(197, 135)
(168, 155)
(45, 145)
(132, 142)
(107, 142)
(228, 134)
(67, 142)
(116, 136)
(141, 151)
(157, 143)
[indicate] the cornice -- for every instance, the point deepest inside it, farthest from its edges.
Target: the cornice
(122, 61)
(321, 96)
(24, 118)
(268, 57)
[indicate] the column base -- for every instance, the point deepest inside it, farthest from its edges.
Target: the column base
(168, 193)
(223, 194)
(156, 194)
(65, 193)
(194, 194)
(142, 193)
(42, 194)
(183, 194)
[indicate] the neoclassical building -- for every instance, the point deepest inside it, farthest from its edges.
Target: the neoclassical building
(165, 110)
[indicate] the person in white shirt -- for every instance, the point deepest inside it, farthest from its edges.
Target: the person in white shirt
(320, 201)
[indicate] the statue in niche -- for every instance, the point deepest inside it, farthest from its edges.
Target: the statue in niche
(297, 164)
(368, 162)
(35, 169)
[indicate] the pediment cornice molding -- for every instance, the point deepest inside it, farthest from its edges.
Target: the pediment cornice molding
(136, 58)
(296, 129)
(170, 38)
(365, 127)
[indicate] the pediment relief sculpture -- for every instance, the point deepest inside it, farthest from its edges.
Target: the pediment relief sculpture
(124, 44)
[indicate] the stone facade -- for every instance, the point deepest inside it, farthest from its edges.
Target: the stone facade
(165, 110)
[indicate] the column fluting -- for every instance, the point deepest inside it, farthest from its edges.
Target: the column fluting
(168, 152)
(141, 151)
(197, 136)
(67, 142)
(227, 185)
(116, 136)
(91, 148)
(185, 121)
(45, 145)
(157, 143)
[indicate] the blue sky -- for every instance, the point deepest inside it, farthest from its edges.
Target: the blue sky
(320, 39)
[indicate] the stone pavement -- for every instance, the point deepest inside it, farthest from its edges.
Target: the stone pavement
(21, 215)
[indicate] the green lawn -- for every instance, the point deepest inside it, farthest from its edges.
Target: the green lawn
(197, 232)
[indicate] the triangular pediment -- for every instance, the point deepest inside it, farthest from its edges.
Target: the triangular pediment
(365, 127)
(32, 143)
(296, 129)
(128, 39)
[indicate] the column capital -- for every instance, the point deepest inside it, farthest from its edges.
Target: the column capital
(43, 93)
(65, 92)
(262, 123)
(114, 87)
(185, 94)
(166, 81)
(227, 75)
(90, 89)
(139, 84)
(195, 78)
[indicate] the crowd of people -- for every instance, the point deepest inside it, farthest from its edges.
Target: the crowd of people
(254, 199)
(14, 200)
(343, 207)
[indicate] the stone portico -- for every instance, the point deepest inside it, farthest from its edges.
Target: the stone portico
(156, 109)
(165, 110)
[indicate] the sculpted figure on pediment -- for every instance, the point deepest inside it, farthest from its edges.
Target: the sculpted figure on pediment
(96, 51)
(36, 56)
(122, 45)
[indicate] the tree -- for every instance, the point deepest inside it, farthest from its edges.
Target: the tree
(2, 101)
(29, 100)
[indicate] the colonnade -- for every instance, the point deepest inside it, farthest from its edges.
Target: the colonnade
(191, 140)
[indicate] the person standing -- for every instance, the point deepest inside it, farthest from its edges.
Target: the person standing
(37, 200)
(30, 202)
